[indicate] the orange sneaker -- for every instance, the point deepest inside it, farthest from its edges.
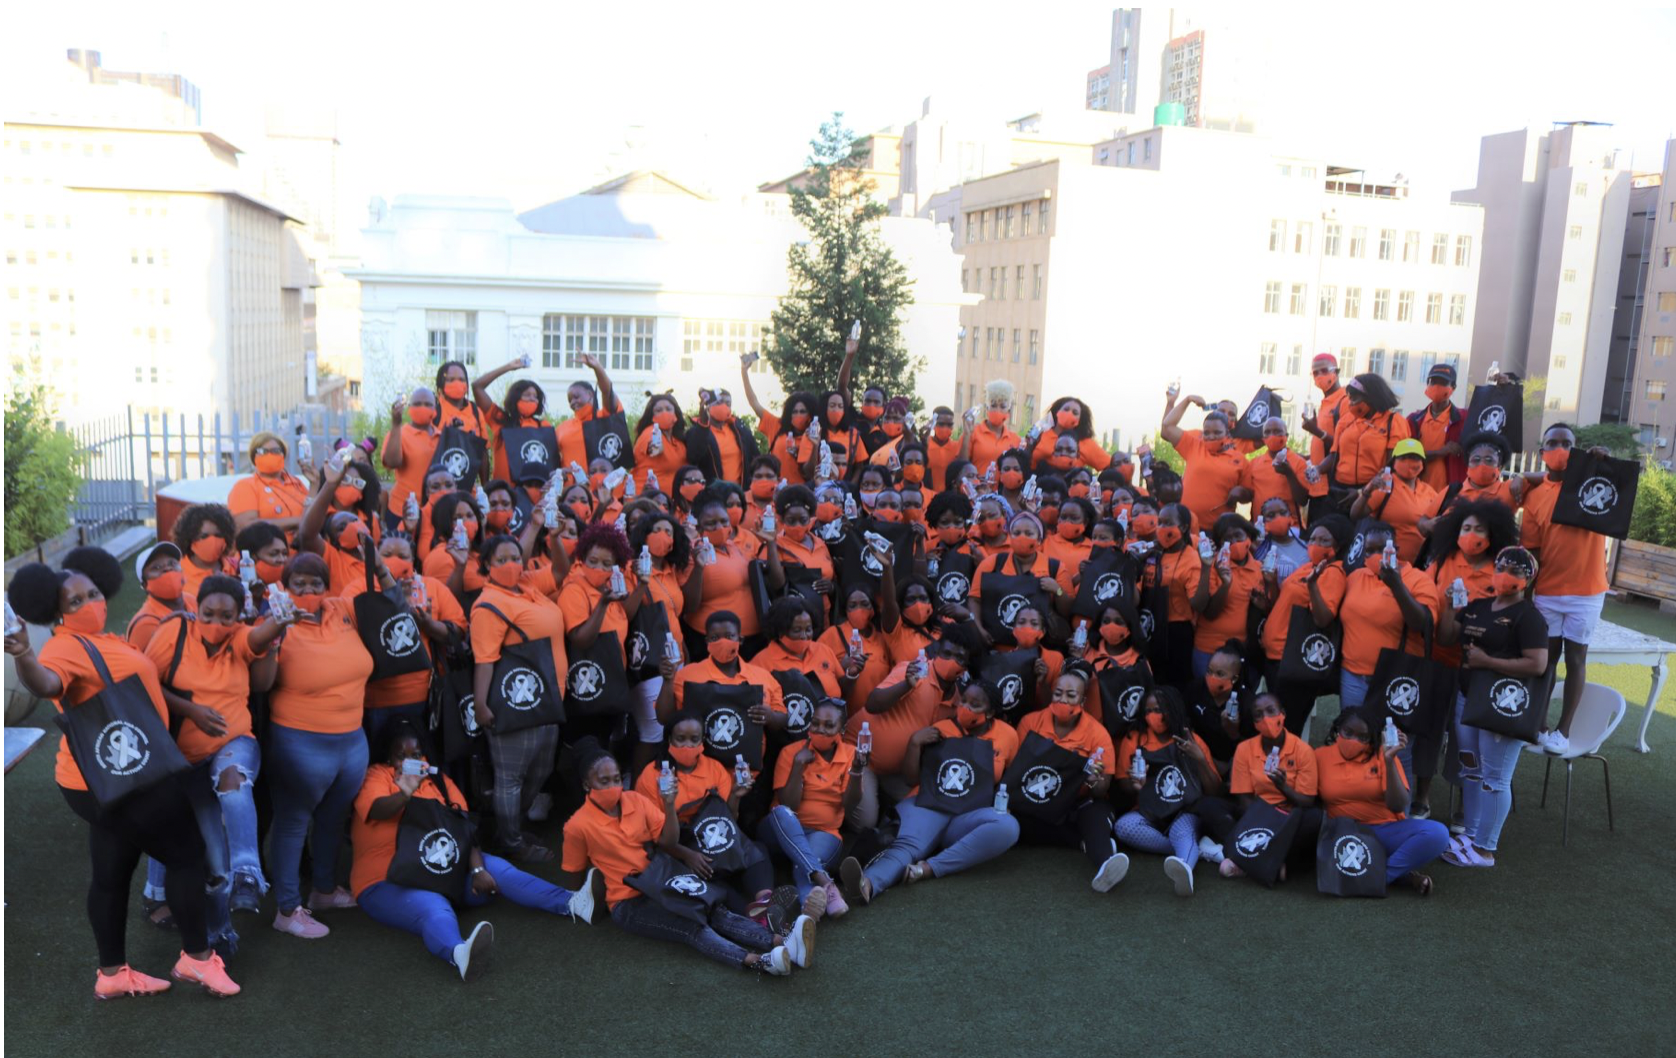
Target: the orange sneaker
(126, 982)
(209, 974)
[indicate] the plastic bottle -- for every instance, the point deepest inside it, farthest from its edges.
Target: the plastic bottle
(1175, 388)
(855, 331)
(1232, 710)
(482, 499)
(619, 583)
(1390, 555)
(1495, 369)
(856, 646)
(705, 552)
(666, 780)
(741, 771)
(655, 445)
(1271, 560)
(1137, 767)
(1093, 764)
(849, 507)
(410, 508)
(864, 739)
(1205, 550)
(1390, 732)
(14, 623)
(461, 541)
(923, 667)
(652, 479)
(1079, 640)
(247, 569)
(643, 564)
(622, 523)
(932, 565)
(628, 487)
(305, 449)
(1001, 798)
(615, 478)
(770, 524)
(417, 596)
(671, 647)
(1312, 473)
(1272, 762)
(1031, 490)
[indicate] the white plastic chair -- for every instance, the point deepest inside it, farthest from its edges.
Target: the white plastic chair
(1598, 715)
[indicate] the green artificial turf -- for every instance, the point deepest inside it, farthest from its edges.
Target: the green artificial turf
(1556, 951)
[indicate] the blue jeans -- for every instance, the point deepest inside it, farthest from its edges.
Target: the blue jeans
(1352, 689)
(810, 851)
(1410, 844)
(315, 780)
(229, 834)
(431, 915)
(1487, 763)
(966, 840)
(727, 938)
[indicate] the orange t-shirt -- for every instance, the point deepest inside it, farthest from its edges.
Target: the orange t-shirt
(1500, 491)
(1070, 553)
(535, 614)
(418, 447)
(988, 446)
(503, 469)
(411, 688)
(1063, 575)
(727, 448)
(937, 460)
(1364, 445)
(143, 625)
(375, 839)
(708, 777)
(1332, 413)
(1572, 561)
(780, 446)
(1147, 742)
(1209, 633)
(1355, 788)
(1477, 579)
(323, 672)
(439, 565)
(705, 671)
(905, 642)
(466, 416)
(877, 648)
(1180, 572)
(1207, 478)
(221, 682)
(924, 705)
(811, 553)
(824, 782)
(616, 845)
(1294, 591)
(1403, 510)
(1267, 483)
(573, 448)
(346, 574)
(1434, 434)
(727, 586)
(665, 463)
(269, 498)
(195, 575)
(66, 659)
(1089, 735)
(1089, 452)
(819, 663)
(1373, 621)
(1297, 763)
(577, 600)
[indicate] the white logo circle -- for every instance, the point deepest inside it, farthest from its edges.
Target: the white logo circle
(687, 884)
(799, 711)
(1040, 784)
(1149, 623)
(715, 835)
(534, 452)
(1129, 704)
(610, 447)
(1254, 841)
(724, 728)
(468, 716)
(955, 778)
(1351, 855)
(639, 650)
(1597, 496)
(457, 462)
(400, 635)
(870, 562)
(1493, 419)
(953, 587)
(587, 680)
(1172, 784)
(438, 851)
(522, 688)
(1402, 695)
(1509, 697)
(1257, 414)
(1353, 558)
(121, 748)
(1108, 586)
(1012, 691)
(1007, 610)
(1317, 652)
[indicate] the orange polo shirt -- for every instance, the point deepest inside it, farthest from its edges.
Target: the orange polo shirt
(1477, 581)
(66, 659)
(1434, 434)
(1500, 491)
(1180, 571)
(535, 614)
(928, 702)
(875, 645)
(1330, 403)
(781, 447)
(1571, 561)
(221, 682)
(323, 672)
(812, 552)
(665, 586)
(616, 845)
(577, 601)
(268, 498)
(665, 463)
(1147, 742)
(987, 445)
(1266, 483)
(1373, 621)
(1403, 511)
(824, 781)
(1002, 737)
(1355, 788)
(1207, 478)
(706, 671)
(727, 586)
(418, 447)
(691, 787)
(819, 664)
(1297, 763)
(1294, 591)
(572, 447)
(439, 565)
(1089, 735)
(937, 460)
(1364, 446)
(374, 840)
(143, 625)
(1209, 633)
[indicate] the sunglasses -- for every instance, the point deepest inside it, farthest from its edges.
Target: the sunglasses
(1324, 371)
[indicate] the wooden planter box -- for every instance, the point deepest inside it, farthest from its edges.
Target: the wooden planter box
(1646, 569)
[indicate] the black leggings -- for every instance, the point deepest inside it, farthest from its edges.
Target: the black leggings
(1088, 825)
(159, 823)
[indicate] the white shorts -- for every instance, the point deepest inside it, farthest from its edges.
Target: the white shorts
(646, 709)
(1571, 617)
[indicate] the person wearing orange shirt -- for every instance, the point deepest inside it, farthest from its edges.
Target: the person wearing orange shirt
(375, 826)
(1325, 422)
(983, 442)
(1438, 427)
(717, 442)
(269, 493)
(440, 619)
(789, 437)
(875, 653)
(585, 401)
(816, 781)
(1070, 419)
(907, 620)
(1178, 567)
(456, 406)
(792, 646)
(1366, 437)
(1571, 583)
(1289, 786)
(1068, 538)
(720, 579)
(522, 406)
(409, 449)
(1382, 608)
(762, 479)
(316, 749)
(941, 448)
(1165, 727)
(159, 572)
(660, 535)
(204, 535)
(157, 821)
(1365, 782)
(933, 844)
(1487, 453)
(456, 567)
(664, 412)
(1318, 584)
(1212, 480)
(1399, 498)
(1236, 588)
(269, 550)
(612, 833)
(333, 529)
(1277, 472)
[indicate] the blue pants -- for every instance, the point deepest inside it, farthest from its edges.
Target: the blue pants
(1487, 763)
(315, 780)
(1352, 689)
(431, 915)
(966, 840)
(809, 851)
(228, 821)
(1410, 844)
(1181, 839)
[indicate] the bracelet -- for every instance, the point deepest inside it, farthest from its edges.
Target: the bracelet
(475, 871)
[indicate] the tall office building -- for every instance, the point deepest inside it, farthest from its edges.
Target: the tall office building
(1647, 403)
(1167, 55)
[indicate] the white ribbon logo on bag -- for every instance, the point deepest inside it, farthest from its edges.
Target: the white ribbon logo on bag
(799, 711)
(639, 650)
(1040, 784)
(1317, 652)
(1493, 419)
(1172, 784)
(522, 688)
(468, 716)
(1012, 691)
(1597, 496)
(1402, 696)
(121, 748)
(955, 778)
(1353, 560)
(1009, 607)
(871, 563)
(1351, 856)
(587, 680)
(400, 635)
(1257, 414)
(724, 728)
(610, 447)
(1509, 698)
(1107, 587)
(534, 454)
(1254, 841)
(687, 884)
(1149, 623)
(438, 851)
(715, 835)
(457, 462)
(953, 587)
(1129, 703)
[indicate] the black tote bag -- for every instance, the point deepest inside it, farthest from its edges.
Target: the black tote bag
(859, 564)
(117, 739)
(953, 583)
(1349, 860)
(433, 848)
(532, 452)
(1108, 579)
(1155, 617)
(1310, 655)
(524, 691)
(607, 437)
(800, 582)
(1014, 673)
(957, 775)
(461, 453)
(1504, 705)
(1598, 494)
(724, 711)
(673, 887)
(799, 693)
(1408, 689)
(1261, 840)
(390, 632)
(453, 714)
(1498, 409)
(716, 834)
(1122, 690)
(1002, 595)
(1043, 779)
(1172, 784)
(648, 639)
(1262, 406)
(596, 684)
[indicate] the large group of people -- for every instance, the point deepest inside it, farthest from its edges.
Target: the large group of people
(844, 647)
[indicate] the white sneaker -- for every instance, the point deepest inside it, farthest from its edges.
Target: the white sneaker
(471, 956)
(1555, 742)
(1180, 875)
(777, 962)
(1210, 851)
(586, 901)
(1110, 873)
(800, 942)
(540, 808)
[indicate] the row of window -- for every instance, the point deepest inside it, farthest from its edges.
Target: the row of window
(732, 338)
(1303, 242)
(1327, 303)
(1008, 222)
(1125, 154)
(995, 344)
(30, 257)
(48, 220)
(622, 343)
(26, 147)
(1378, 361)
(998, 282)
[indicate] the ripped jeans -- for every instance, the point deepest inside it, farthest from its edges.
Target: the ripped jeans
(228, 822)
(1487, 763)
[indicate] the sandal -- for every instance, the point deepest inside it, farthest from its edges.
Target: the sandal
(1420, 883)
(151, 907)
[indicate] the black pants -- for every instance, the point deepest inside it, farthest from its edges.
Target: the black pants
(158, 823)
(1296, 699)
(1178, 656)
(1088, 825)
(1217, 817)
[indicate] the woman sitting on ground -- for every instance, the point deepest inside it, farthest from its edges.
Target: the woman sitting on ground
(1288, 786)
(816, 782)
(1177, 838)
(1366, 782)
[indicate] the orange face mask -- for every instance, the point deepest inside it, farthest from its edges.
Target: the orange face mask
(1027, 635)
(528, 406)
(166, 586)
(763, 488)
(269, 462)
(686, 756)
(723, 651)
(691, 489)
(455, 390)
(913, 473)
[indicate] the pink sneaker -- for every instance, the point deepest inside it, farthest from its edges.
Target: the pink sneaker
(835, 906)
(337, 898)
(300, 923)
(127, 982)
(209, 974)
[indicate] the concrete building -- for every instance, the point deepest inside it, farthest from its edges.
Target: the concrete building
(1168, 55)
(879, 159)
(1634, 269)
(1653, 379)
(1555, 208)
(669, 287)
(1106, 281)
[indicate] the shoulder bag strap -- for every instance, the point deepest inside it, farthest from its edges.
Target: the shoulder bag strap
(180, 648)
(98, 659)
(490, 607)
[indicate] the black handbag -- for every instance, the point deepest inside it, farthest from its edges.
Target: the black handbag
(461, 453)
(1002, 595)
(532, 452)
(1504, 705)
(1261, 839)
(117, 739)
(716, 834)
(1043, 779)
(1122, 690)
(596, 684)
(1249, 426)
(799, 693)
(607, 437)
(524, 691)
(953, 582)
(453, 715)
(647, 642)
(957, 775)
(1109, 578)
(1408, 689)
(800, 582)
(1349, 860)
(433, 847)
(1310, 655)
(1598, 494)
(389, 631)
(673, 887)
(859, 565)
(724, 710)
(1155, 617)
(1498, 409)
(1172, 784)
(1014, 673)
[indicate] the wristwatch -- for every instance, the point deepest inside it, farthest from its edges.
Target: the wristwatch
(475, 871)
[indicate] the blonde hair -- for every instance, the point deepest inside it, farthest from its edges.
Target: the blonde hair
(998, 389)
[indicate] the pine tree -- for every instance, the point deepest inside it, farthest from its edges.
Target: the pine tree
(845, 272)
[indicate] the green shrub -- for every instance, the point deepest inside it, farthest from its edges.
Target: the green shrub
(1654, 520)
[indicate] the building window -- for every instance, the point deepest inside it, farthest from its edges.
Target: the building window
(1042, 218)
(1376, 361)
(974, 343)
(1347, 362)
(1029, 207)
(1580, 189)
(1017, 343)
(1440, 249)
(1457, 309)
(1295, 360)
(552, 341)
(1387, 243)
(988, 341)
(1574, 232)
(1565, 319)
(1559, 362)
(1277, 236)
(1655, 389)
(1382, 304)
(1411, 247)
(1018, 284)
(1271, 297)
(1358, 242)
(963, 280)
(993, 279)
(1265, 358)
(1463, 250)
(1131, 152)
(1569, 275)
(1300, 293)
(1329, 239)
(1405, 307)
(983, 224)
(1003, 294)
(1663, 347)
(1035, 282)
(1434, 308)
(1328, 300)
(1146, 149)
(971, 230)
(1035, 345)
(1399, 366)
(451, 336)
(1307, 172)
(1554, 404)
(1029, 407)
(1352, 303)
(1009, 215)
(1304, 241)
(1669, 256)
